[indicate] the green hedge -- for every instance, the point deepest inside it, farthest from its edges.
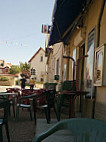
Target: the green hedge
(4, 79)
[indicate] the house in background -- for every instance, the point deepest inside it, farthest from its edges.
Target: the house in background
(38, 65)
(5, 78)
(4, 67)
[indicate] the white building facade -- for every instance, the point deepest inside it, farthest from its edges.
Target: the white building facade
(38, 65)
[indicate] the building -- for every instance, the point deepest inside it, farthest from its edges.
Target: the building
(38, 65)
(83, 33)
(54, 63)
(4, 67)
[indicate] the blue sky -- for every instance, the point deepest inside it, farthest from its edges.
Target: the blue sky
(20, 28)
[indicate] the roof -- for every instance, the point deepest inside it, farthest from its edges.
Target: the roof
(9, 64)
(36, 54)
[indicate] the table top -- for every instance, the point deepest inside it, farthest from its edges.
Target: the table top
(69, 92)
(7, 93)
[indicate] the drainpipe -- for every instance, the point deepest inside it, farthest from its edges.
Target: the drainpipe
(99, 21)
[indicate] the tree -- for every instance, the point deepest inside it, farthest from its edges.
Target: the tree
(25, 69)
(14, 69)
(24, 66)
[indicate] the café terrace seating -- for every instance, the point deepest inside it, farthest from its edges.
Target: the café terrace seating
(81, 130)
(13, 98)
(70, 89)
(49, 97)
(45, 98)
(24, 101)
(63, 100)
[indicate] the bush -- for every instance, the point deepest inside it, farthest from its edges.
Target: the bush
(16, 82)
(27, 84)
(4, 79)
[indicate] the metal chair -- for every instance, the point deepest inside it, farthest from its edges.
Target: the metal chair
(82, 129)
(4, 104)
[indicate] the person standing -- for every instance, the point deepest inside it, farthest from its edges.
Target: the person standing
(31, 83)
(23, 81)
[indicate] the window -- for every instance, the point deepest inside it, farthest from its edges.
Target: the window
(41, 79)
(2, 64)
(57, 67)
(65, 73)
(32, 71)
(99, 66)
(90, 62)
(41, 58)
(73, 68)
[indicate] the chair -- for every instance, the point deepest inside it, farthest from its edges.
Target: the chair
(13, 98)
(63, 100)
(82, 129)
(50, 85)
(22, 102)
(50, 103)
(12, 101)
(4, 104)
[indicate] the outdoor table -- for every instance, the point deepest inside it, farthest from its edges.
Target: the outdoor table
(72, 96)
(13, 97)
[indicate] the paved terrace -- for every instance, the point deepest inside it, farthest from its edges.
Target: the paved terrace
(24, 130)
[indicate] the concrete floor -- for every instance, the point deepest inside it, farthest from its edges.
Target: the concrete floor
(24, 130)
(60, 136)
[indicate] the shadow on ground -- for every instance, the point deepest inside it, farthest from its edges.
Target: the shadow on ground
(24, 129)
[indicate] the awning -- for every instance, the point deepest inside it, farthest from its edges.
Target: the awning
(64, 14)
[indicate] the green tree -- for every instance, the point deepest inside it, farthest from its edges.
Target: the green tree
(24, 66)
(14, 69)
(25, 69)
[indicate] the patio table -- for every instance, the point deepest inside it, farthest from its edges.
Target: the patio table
(13, 97)
(72, 96)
